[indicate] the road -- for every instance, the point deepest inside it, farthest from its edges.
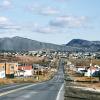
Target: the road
(50, 90)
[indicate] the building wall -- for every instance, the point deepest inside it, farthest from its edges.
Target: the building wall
(11, 68)
(2, 70)
(28, 73)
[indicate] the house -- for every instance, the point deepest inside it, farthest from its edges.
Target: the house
(25, 71)
(11, 69)
(40, 70)
(91, 71)
(2, 70)
(81, 70)
(8, 69)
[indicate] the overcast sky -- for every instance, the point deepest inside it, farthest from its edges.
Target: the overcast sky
(53, 21)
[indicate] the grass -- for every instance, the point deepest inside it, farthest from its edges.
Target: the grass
(42, 78)
(28, 59)
(21, 59)
(5, 81)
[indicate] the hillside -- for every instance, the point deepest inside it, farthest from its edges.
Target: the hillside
(25, 44)
(85, 44)
(79, 43)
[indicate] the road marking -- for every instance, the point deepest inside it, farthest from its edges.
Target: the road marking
(15, 90)
(12, 86)
(11, 91)
(59, 93)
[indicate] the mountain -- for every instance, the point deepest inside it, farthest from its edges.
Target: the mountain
(79, 43)
(25, 44)
(85, 44)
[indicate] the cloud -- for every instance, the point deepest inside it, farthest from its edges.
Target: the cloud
(49, 11)
(5, 4)
(62, 0)
(69, 21)
(47, 30)
(3, 20)
(44, 10)
(7, 24)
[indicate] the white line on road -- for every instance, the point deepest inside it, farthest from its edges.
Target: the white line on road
(12, 86)
(11, 91)
(15, 90)
(60, 93)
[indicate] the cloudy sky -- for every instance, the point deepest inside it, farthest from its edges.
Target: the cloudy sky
(53, 21)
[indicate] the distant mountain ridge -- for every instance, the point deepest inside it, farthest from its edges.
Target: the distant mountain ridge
(25, 44)
(82, 43)
(85, 44)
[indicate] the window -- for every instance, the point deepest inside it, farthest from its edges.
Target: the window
(12, 67)
(3, 67)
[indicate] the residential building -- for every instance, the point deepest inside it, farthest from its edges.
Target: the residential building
(91, 71)
(25, 71)
(11, 69)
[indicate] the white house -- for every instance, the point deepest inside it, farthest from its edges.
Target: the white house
(25, 71)
(91, 71)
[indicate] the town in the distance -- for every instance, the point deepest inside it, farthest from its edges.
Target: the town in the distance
(78, 69)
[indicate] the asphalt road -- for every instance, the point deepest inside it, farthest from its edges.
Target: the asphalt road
(50, 90)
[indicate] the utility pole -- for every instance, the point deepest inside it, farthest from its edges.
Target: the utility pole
(5, 70)
(91, 70)
(38, 72)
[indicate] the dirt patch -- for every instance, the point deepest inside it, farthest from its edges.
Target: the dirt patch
(91, 82)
